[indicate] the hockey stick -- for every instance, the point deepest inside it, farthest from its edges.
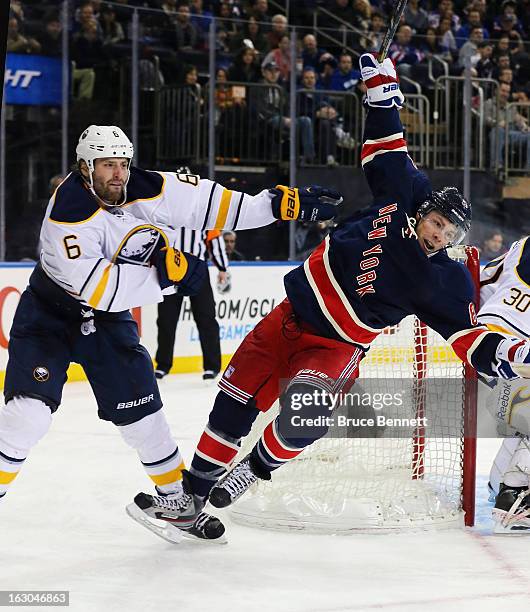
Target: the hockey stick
(395, 18)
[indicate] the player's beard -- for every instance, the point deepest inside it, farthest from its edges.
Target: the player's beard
(108, 193)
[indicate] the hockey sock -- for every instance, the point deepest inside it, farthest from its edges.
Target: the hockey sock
(229, 421)
(280, 442)
(157, 450)
(9, 468)
(272, 450)
(23, 422)
(166, 473)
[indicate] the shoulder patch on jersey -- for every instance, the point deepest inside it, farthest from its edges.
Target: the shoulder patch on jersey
(144, 185)
(73, 201)
(523, 266)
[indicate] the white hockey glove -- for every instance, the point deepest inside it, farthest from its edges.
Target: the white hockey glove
(381, 81)
(513, 359)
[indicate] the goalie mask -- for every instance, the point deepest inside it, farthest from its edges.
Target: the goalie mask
(450, 203)
(104, 141)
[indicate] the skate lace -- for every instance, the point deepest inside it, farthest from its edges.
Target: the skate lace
(239, 480)
(200, 521)
(172, 503)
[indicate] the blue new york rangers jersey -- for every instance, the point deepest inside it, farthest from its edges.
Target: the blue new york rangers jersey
(371, 272)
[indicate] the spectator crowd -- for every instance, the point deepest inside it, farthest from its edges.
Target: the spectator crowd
(253, 48)
(252, 33)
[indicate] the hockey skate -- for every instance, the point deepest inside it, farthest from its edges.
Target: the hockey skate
(232, 485)
(512, 511)
(177, 516)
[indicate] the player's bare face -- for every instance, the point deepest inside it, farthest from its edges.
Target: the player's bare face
(109, 178)
(435, 232)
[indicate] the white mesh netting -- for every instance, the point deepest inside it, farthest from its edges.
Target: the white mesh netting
(399, 479)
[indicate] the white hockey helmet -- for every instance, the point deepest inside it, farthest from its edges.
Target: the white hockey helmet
(101, 141)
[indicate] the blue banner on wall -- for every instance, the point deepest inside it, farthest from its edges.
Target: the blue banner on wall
(33, 80)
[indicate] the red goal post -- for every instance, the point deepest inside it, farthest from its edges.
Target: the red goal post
(386, 483)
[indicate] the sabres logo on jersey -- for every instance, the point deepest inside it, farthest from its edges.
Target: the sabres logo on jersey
(139, 246)
(41, 374)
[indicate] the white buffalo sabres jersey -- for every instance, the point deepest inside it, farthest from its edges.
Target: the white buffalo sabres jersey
(102, 257)
(505, 291)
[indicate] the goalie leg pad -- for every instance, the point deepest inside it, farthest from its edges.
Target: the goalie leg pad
(518, 472)
(508, 402)
(512, 511)
(502, 462)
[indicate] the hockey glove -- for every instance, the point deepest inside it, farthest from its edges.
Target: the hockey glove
(313, 203)
(381, 82)
(513, 359)
(184, 270)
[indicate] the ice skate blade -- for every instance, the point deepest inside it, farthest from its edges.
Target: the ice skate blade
(162, 529)
(167, 531)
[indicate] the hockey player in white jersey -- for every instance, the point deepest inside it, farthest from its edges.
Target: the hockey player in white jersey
(505, 307)
(107, 247)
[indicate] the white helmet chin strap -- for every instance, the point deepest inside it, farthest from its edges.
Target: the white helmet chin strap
(91, 168)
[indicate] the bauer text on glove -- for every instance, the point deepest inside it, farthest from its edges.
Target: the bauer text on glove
(382, 84)
(184, 270)
(313, 203)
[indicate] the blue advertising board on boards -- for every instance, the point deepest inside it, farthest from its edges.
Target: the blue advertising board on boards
(33, 80)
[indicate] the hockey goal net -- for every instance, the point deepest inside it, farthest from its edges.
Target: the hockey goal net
(415, 477)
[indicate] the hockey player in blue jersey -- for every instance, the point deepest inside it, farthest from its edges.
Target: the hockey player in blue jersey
(107, 241)
(382, 264)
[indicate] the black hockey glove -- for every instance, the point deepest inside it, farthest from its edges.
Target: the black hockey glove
(184, 270)
(313, 203)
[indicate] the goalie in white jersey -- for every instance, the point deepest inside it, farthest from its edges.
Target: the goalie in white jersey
(107, 247)
(505, 307)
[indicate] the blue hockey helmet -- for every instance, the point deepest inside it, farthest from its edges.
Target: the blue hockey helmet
(450, 203)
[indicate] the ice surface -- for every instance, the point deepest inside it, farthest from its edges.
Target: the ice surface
(63, 526)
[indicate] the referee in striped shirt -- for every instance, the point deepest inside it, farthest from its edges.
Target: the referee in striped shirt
(207, 245)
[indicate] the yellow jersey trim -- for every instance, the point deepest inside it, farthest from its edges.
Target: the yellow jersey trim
(77, 222)
(95, 299)
(498, 328)
(224, 207)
